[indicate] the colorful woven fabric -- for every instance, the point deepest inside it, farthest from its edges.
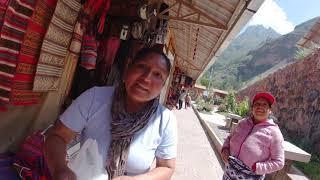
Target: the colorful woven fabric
(3, 8)
(107, 52)
(30, 50)
(88, 56)
(30, 161)
(12, 35)
(54, 48)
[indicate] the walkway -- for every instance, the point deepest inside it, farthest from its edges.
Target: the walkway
(196, 159)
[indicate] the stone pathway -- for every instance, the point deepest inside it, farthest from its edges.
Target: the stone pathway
(196, 158)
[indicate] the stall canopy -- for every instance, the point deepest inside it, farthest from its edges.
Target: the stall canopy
(201, 29)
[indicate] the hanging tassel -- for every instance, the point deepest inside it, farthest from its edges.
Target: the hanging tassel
(103, 16)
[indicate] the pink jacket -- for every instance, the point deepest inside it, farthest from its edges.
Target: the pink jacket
(259, 146)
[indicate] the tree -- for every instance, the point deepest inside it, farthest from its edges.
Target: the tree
(231, 102)
(204, 82)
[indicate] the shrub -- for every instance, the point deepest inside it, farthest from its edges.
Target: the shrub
(207, 107)
(222, 108)
(217, 101)
(231, 102)
(242, 109)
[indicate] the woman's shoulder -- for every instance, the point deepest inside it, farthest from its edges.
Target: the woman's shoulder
(166, 117)
(165, 112)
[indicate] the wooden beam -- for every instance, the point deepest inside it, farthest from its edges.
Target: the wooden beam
(188, 15)
(190, 63)
(223, 4)
(191, 21)
(168, 9)
(187, 67)
(219, 24)
(179, 8)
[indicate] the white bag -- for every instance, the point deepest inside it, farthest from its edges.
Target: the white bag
(88, 163)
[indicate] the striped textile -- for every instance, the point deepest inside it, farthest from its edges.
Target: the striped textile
(30, 50)
(3, 8)
(54, 48)
(12, 34)
(88, 56)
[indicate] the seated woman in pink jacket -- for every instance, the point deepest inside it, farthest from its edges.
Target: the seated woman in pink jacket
(255, 147)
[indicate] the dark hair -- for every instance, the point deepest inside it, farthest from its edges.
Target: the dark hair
(146, 51)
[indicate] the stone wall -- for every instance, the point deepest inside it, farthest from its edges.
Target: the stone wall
(297, 91)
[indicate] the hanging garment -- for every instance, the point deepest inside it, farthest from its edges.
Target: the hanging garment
(54, 48)
(72, 60)
(88, 55)
(107, 52)
(183, 80)
(30, 50)
(12, 34)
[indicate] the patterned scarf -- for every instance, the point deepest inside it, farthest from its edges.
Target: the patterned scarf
(237, 170)
(123, 128)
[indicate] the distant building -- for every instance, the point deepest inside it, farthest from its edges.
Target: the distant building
(197, 91)
(217, 93)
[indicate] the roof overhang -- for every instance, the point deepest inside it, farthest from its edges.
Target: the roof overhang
(201, 29)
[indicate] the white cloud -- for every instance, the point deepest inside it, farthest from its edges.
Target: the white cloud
(271, 15)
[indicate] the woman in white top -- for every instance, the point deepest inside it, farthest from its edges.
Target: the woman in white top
(130, 126)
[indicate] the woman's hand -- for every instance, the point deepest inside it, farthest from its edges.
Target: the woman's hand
(225, 155)
(64, 174)
(123, 178)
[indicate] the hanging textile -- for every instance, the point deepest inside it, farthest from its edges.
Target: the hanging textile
(88, 56)
(72, 60)
(3, 8)
(107, 51)
(30, 50)
(15, 23)
(54, 48)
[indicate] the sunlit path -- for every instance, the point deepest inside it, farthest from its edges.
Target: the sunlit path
(196, 159)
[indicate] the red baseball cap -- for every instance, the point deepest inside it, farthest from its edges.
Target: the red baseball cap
(269, 97)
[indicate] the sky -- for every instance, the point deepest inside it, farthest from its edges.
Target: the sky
(284, 15)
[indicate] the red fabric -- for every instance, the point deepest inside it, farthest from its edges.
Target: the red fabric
(15, 22)
(103, 16)
(106, 54)
(254, 167)
(30, 50)
(31, 156)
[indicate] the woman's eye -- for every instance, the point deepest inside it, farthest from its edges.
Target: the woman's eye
(158, 75)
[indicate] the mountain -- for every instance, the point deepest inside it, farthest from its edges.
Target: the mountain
(254, 52)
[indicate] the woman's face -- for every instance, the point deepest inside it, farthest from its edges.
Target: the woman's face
(261, 109)
(145, 78)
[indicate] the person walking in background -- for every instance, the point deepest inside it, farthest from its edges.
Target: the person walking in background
(255, 147)
(182, 98)
(188, 101)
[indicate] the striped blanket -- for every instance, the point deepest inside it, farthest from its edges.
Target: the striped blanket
(54, 48)
(30, 50)
(12, 34)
